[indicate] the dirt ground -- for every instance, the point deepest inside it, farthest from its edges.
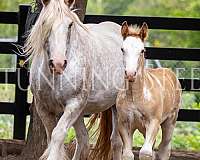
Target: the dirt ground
(11, 149)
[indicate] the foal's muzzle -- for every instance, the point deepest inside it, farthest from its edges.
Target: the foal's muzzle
(130, 76)
(57, 67)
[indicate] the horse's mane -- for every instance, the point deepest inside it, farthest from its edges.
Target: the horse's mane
(55, 10)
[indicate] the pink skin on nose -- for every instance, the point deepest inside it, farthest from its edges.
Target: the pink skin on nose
(130, 76)
(58, 64)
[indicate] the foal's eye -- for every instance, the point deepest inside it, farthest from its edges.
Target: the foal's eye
(122, 49)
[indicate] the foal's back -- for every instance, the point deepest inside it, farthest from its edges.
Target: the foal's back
(165, 91)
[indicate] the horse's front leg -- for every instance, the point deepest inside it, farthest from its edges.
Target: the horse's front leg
(55, 150)
(82, 140)
(48, 119)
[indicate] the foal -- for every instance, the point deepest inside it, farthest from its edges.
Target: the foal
(152, 99)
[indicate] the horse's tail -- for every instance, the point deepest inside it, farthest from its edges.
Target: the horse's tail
(102, 148)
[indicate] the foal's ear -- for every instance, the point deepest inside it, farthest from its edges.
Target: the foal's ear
(144, 31)
(124, 29)
(45, 2)
(70, 3)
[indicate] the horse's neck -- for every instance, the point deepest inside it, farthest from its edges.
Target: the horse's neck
(78, 44)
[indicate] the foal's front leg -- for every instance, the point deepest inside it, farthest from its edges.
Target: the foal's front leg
(146, 152)
(55, 150)
(116, 140)
(82, 140)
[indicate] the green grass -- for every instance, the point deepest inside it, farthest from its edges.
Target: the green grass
(183, 137)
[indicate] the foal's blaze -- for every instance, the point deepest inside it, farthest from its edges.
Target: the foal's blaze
(133, 47)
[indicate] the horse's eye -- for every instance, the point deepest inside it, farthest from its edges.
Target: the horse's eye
(48, 51)
(122, 49)
(143, 51)
(70, 25)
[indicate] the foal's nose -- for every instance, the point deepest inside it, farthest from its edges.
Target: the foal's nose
(130, 76)
(57, 66)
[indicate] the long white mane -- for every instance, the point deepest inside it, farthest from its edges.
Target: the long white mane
(56, 9)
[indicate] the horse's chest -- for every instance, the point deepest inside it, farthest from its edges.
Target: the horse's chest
(50, 100)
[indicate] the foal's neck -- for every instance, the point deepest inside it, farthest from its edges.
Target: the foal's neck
(137, 87)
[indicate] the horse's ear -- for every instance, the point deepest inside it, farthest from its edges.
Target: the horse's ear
(144, 31)
(70, 3)
(45, 2)
(124, 29)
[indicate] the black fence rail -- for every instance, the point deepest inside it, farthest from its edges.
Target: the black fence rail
(20, 108)
(20, 77)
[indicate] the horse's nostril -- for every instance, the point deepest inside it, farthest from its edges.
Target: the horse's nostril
(65, 64)
(51, 65)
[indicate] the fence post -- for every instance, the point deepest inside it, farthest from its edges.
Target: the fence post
(21, 80)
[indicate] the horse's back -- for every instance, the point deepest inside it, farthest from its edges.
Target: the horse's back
(106, 31)
(109, 27)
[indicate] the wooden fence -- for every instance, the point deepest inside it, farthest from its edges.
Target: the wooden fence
(20, 108)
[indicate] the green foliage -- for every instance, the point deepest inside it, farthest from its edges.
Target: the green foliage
(8, 30)
(6, 129)
(70, 135)
(12, 5)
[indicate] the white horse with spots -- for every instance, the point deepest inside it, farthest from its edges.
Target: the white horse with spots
(76, 69)
(151, 98)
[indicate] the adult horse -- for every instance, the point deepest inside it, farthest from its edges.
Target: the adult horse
(76, 69)
(152, 99)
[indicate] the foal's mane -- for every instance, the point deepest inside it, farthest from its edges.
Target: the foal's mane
(134, 30)
(55, 10)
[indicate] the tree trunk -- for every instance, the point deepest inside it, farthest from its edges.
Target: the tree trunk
(36, 139)
(80, 5)
(38, 5)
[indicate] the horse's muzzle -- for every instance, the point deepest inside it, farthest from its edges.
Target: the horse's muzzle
(57, 67)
